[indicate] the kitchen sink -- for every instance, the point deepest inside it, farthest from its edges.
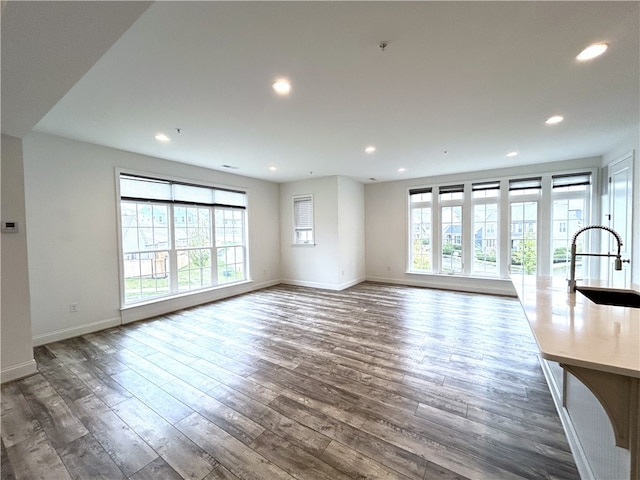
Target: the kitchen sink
(611, 296)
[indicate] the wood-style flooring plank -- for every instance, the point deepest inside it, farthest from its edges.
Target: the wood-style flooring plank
(294, 460)
(35, 459)
(6, 469)
(124, 446)
(51, 411)
(180, 453)
(402, 461)
(153, 396)
(18, 420)
(228, 419)
(286, 428)
(158, 469)
(86, 459)
(233, 454)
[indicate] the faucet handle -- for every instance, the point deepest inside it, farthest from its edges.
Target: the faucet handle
(619, 261)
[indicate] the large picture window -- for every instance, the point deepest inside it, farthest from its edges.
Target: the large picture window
(177, 237)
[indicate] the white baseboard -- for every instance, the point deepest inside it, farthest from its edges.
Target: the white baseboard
(71, 332)
(20, 370)
(579, 455)
(491, 286)
(324, 286)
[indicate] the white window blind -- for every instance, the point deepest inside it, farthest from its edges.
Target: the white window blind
(525, 184)
(133, 187)
(303, 219)
(571, 180)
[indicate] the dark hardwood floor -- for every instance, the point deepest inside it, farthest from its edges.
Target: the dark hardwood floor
(374, 382)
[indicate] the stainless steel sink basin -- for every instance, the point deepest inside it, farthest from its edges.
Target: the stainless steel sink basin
(611, 296)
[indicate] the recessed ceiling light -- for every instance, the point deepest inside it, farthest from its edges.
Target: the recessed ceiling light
(402, 169)
(512, 154)
(281, 86)
(273, 169)
(592, 51)
(553, 120)
(161, 137)
(370, 149)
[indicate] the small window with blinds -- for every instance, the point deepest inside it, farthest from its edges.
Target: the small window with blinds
(303, 220)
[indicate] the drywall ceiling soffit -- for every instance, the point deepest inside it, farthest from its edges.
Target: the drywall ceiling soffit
(48, 46)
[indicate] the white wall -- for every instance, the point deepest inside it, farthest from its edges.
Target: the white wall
(386, 231)
(338, 205)
(73, 237)
(351, 222)
(15, 326)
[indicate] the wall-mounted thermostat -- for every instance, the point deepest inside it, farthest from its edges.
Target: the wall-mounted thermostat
(9, 227)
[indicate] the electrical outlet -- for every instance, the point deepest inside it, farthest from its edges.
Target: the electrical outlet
(74, 307)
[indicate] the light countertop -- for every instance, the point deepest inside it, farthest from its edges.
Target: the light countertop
(571, 329)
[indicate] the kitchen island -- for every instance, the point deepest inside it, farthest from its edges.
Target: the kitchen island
(597, 344)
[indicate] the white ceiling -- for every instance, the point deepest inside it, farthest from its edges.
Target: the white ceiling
(474, 79)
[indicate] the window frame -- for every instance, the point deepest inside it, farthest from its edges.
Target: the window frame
(421, 204)
(452, 196)
(568, 187)
(537, 186)
(237, 200)
(306, 227)
(483, 194)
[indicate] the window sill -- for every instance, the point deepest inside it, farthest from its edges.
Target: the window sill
(458, 275)
(182, 295)
(303, 244)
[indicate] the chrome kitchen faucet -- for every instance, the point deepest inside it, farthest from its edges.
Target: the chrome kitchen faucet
(618, 263)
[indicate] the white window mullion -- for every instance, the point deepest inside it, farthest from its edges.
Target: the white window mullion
(214, 249)
(173, 256)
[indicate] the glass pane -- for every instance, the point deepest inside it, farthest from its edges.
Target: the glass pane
(567, 220)
(421, 197)
(524, 242)
(451, 219)
(144, 227)
(229, 227)
(194, 268)
(230, 264)
(421, 238)
(485, 237)
(146, 275)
